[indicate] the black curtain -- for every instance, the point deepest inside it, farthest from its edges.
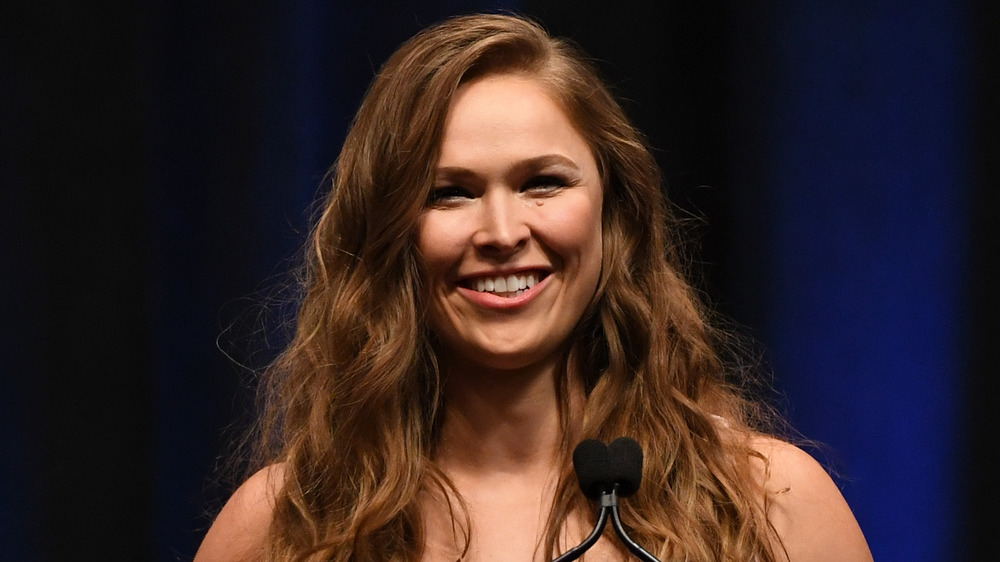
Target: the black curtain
(78, 397)
(157, 165)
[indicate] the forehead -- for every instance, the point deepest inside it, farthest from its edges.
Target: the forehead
(509, 111)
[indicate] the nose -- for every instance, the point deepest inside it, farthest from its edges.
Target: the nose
(502, 229)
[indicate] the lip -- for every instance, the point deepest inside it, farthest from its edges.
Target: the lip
(496, 302)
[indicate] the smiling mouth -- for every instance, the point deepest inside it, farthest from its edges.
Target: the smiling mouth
(505, 285)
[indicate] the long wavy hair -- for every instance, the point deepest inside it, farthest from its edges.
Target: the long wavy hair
(353, 406)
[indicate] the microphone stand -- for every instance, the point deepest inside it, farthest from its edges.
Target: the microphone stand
(616, 522)
(609, 502)
(577, 551)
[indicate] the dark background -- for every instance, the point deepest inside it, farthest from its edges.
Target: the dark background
(159, 161)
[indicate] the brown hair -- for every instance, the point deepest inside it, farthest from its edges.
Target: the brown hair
(354, 403)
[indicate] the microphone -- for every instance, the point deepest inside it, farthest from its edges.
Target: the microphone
(626, 466)
(592, 463)
(625, 456)
(607, 473)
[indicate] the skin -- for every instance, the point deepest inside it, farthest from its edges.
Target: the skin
(808, 512)
(240, 529)
(517, 192)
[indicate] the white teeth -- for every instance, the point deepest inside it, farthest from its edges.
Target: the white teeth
(512, 283)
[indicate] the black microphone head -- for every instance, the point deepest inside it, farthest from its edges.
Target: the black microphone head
(593, 468)
(626, 465)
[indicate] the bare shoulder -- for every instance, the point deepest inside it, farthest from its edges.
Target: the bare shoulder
(240, 529)
(808, 511)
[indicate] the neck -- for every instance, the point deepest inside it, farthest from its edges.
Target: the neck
(501, 421)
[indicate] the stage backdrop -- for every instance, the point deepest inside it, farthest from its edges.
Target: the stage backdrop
(159, 163)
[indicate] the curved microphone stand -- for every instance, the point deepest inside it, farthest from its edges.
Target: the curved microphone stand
(609, 503)
(577, 551)
(608, 472)
(616, 522)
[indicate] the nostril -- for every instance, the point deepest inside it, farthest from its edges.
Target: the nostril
(501, 225)
(501, 242)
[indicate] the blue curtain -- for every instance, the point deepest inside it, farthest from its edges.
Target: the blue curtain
(159, 164)
(861, 141)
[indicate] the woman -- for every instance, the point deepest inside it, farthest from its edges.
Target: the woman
(492, 281)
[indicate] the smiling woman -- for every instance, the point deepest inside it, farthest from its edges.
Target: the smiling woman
(517, 197)
(492, 281)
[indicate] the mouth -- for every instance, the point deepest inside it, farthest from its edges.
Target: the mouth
(507, 286)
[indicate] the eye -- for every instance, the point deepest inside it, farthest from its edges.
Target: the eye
(545, 183)
(447, 194)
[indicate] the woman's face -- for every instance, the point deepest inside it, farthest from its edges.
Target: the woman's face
(511, 235)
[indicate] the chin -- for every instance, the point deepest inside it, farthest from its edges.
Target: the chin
(507, 360)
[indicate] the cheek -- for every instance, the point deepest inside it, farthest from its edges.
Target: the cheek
(576, 229)
(438, 236)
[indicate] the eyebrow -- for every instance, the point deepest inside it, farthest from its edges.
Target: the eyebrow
(532, 164)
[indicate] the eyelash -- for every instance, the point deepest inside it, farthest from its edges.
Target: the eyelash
(441, 194)
(549, 182)
(544, 183)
